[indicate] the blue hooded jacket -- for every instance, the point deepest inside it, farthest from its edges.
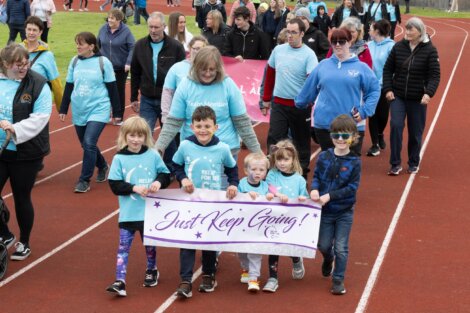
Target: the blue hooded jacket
(379, 52)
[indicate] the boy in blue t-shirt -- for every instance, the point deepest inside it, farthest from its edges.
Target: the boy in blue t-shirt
(199, 162)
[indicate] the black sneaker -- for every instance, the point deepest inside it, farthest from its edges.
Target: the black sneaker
(22, 252)
(82, 187)
(151, 278)
(413, 170)
(101, 176)
(184, 290)
(395, 170)
(382, 143)
(8, 241)
(373, 151)
(208, 283)
(118, 288)
(338, 287)
(326, 268)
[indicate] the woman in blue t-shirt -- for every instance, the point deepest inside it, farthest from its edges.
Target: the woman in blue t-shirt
(91, 88)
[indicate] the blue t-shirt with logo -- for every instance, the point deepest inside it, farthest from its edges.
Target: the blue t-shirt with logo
(45, 65)
(223, 97)
(90, 99)
(136, 169)
(292, 186)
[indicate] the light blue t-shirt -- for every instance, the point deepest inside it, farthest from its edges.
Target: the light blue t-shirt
(392, 12)
(45, 65)
(378, 11)
(156, 48)
(90, 99)
(292, 66)
(176, 74)
(292, 186)
(224, 98)
(346, 13)
(204, 165)
(140, 170)
(8, 89)
(245, 186)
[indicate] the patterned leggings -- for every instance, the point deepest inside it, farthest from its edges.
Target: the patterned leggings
(126, 236)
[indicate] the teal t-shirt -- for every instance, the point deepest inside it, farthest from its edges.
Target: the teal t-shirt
(224, 98)
(292, 186)
(8, 90)
(244, 186)
(45, 65)
(176, 74)
(204, 165)
(156, 48)
(90, 99)
(136, 169)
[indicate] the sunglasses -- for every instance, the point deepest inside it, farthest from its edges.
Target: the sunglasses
(341, 42)
(344, 136)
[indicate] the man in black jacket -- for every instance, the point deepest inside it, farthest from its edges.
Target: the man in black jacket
(153, 56)
(314, 38)
(245, 40)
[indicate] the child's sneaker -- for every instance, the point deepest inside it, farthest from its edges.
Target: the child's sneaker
(208, 283)
(184, 290)
(326, 268)
(118, 288)
(22, 251)
(253, 285)
(338, 287)
(298, 270)
(8, 241)
(151, 278)
(271, 285)
(244, 277)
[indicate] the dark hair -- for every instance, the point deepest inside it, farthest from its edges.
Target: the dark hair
(88, 38)
(341, 34)
(10, 54)
(343, 123)
(203, 112)
(117, 14)
(173, 21)
(299, 22)
(243, 12)
(34, 20)
(383, 27)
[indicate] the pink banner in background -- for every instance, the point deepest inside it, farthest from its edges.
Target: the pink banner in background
(248, 76)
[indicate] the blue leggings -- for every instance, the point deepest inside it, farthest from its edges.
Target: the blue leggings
(126, 236)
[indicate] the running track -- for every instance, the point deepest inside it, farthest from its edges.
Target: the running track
(408, 244)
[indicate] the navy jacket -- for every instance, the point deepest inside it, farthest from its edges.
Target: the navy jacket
(18, 11)
(339, 176)
(117, 46)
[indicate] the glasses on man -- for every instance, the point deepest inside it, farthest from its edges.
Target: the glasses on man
(337, 136)
(340, 42)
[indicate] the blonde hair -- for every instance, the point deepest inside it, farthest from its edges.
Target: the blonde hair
(11, 54)
(202, 61)
(282, 150)
(134, 125)
(255, 156)
(217, 20)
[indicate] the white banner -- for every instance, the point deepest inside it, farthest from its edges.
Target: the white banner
(207, 220)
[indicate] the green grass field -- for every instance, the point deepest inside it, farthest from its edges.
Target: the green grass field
(67, 25)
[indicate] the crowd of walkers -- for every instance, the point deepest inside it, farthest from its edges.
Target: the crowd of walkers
(325, 77)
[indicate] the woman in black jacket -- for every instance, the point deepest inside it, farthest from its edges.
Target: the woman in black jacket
(343, 11)
(24, 111)
(216, 29)
(410, 78)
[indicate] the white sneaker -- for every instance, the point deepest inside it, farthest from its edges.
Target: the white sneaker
(271, 285)
(80, 10)
(244, 277)
(253, 285)
(298, 270)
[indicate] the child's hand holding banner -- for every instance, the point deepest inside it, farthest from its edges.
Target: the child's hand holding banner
(207, 220)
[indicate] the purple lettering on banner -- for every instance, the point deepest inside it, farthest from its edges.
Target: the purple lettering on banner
(223, 225)
(263, 218)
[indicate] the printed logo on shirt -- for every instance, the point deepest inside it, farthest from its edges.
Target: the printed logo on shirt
(344, 169)
(311, 40)
(26, 98)
(353, 73)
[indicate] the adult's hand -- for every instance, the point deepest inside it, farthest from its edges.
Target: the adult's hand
(266, 107)
(425, 99)
(6, 125)
(62, 117)
(239, 58)
(127, 68)
(135, 106)
(390, 96)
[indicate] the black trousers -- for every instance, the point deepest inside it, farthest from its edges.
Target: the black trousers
(282, 119)
(273, 262)
(392, 30)
(45, 32)
(22, 175)
(324, 139)
(379, 120)
(14, 30)
(121, 78)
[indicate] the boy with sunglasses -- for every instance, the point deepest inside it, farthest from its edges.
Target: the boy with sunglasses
(334, 186)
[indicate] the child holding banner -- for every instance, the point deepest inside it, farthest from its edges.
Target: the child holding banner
(334, 186)
(285, 182)
(199, 162)
(256, 167)
(136, 171)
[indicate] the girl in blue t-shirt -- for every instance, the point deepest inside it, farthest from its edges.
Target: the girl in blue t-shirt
(285, 182)
(136, 171)
(91, 88)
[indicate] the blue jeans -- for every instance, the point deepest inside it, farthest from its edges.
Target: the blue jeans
(415, 114)
(151, 110)
(333, 240)
(88, 136)
(187, 259)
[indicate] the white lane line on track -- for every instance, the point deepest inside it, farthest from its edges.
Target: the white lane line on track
(362, 305)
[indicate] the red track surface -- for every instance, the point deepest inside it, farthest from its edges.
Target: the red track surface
(425, 268)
